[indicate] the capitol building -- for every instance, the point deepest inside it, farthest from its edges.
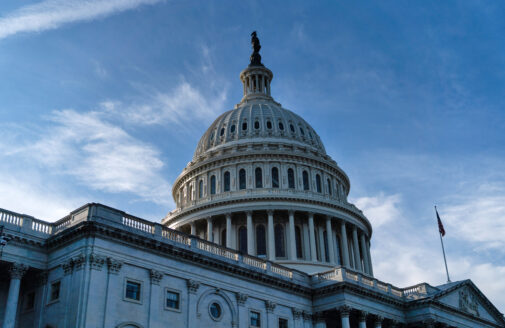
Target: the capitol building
(262, 236)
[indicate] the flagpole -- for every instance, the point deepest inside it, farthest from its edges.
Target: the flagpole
(443, 250)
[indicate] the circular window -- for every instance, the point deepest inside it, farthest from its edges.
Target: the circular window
(215, 311)
(257, 125)
(269, 125)
(232, 128)
(281, 126)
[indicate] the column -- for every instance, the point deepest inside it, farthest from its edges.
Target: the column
(329, 235)
(306, 244)
(322, 251)
(250, 234)
(357, 259)
(292, 238)
(312, 237)
(343, 246)
(193, 227)
(228, 230)
(366, 268)
(344, 316)
(270, 233)
(16, 271)
(210, 231)
(378, 321)
(370, 267)
(243, 317)
(319, 321)
(257, 83)
(192, 301)
(362, 319)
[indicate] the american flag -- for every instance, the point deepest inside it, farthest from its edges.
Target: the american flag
(440, 225)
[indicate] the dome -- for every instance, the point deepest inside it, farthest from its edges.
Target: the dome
(259, 120)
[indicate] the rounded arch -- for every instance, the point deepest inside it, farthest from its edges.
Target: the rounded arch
(129, 324)
(218, 292)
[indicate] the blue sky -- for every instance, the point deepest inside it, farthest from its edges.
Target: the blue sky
(105, 101)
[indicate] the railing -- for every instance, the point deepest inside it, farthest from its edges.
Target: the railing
(281, 271)
(217, 250)
(62, 224)
(255, 262)
(382, 286)
(42, 226)
(138, 224)
(176, 236)
(10, 217)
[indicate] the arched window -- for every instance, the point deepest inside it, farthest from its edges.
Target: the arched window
(222, 132)
(200, 189)
(292, 128)
(256, 125)
(242, 239)
(261, 245)
(305, 181)
(318, 183)
(275, 177)
(325, 239)
(213, 185)
(190, 193)
(281, 126)
(226, 183)
(330, 189)
(241, 179)
(223, 237)
(244, 126)
(280, 242)
(291, 179)
(298, 237)
(232, 128)
(258, 177)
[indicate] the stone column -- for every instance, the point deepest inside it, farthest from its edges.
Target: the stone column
(193, 227)
(312, 237)
(210, 230)
(16, 271)
(270, 233)
(228, 230)
(155, 296)
(357, 259)
(270, 307)
(250, 234)
(378, 321)
(329, 235)
(243, 318)
(366, 268)
(322, 251)
(343, 246)
(306, 244)
(292, 238)
(362, 319)
(192, 301)
(344, 316)
(297, 318)
(370, 267)
(319, 321)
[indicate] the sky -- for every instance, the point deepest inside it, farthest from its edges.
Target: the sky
(105, 101)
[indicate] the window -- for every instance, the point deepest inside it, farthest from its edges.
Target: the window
(215, 311)
(298, 239)
(256, 125)
(255, 319)
(190, 193)
(301, 131)
(213, 185)
(318, 183)
(281, 126)
(292, 128)
(261, 245)
(269, 125)
(223, 237)
(29, 301)
(242, 239)
(244, 126)
(222, 132)
(132, 291)
(172, 300)
(310, 135)
(232, 128)
(212, 136)
(258, 178)
(330, 191)
(305, 181)
(291, 179)
(325, 240)
(280, 247)
(200, 189)
(241, 179)
(54, 295)
(226, 181)
(283, 323)
(275, 177)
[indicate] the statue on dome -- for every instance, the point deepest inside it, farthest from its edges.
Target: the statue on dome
(255, 56)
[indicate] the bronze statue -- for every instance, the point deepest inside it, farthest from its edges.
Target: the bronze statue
(255, 56)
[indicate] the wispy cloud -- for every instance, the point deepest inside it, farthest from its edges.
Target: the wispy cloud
(52, 14)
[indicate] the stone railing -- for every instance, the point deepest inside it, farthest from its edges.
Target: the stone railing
(118, 219)
(347, 275)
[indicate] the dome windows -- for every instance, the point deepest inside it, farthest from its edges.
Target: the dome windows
(281, 126)
(318, 183)
(302, 132)
(330, 191)
(226, 179)
(269, 125)
(258, 175)
(275, 177)
(292, 128)
(244, 126)
(232, 128)
(241, 179)
(222, 132)
(213, 185)
(305, 178)
(291, 178)
(256, 125)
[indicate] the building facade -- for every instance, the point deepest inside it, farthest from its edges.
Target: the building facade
(262, 236)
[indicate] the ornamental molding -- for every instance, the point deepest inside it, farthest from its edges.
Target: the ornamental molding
(67, 267)
(113, 265)
(155, 276)
(297, 313)
(96, 261)
(241, 298)
(270, 306)
(344, 310)
(17, 270)
(362, 315)
(192, 286)
(307, 316)
(468, 302)
(79, 261)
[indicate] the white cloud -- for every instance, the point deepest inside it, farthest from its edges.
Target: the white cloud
(52, 14)
(379, 209)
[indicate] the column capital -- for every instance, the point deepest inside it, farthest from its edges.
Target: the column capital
(249, 212)
(270, 306)
(96, 261)
(307, 315)
(192, 286)
(228, 215)
(79, 261)
(113, 265)
(429, 323)
(297, 313)
(241, 298)
(67, 267)
(155, 276)
(318, 317)
(17, 270)
(291, 212)
(270, 212)
(208, 218)
(362, 315)
(344, 310)
(310, 214)
(378, 319)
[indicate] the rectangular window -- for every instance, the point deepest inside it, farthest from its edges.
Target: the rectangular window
(172, 300)
(54, 295)
(283, 323)
(132, 291)
(255, 319)
(29, 301)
